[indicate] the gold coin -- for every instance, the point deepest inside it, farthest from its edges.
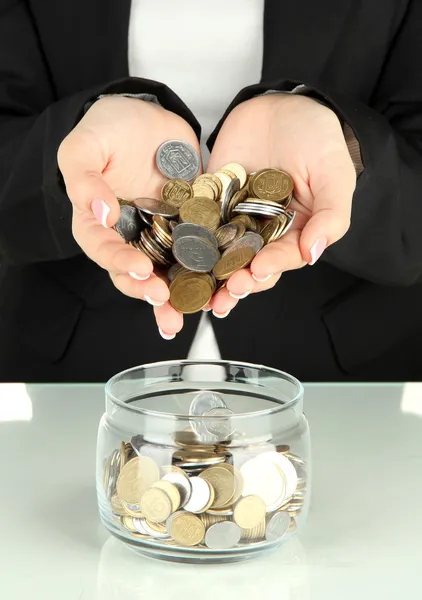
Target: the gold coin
(249, 512)
(282, 448)
(249, 222)
(156, 505)
(232, 262)
(190, 293)
(205, 190)
(255, 533)
(199, 455)
(272, 184)
(176, 192)
(127, 522)
(187, 529)
(132, 509)
(240, 196)
(273, 228)
(292, 526)
(172, 492)
(125, 202)
(136, 476)
(201, 211)
(209, 519)
(223, 483)
(222, 512)
(238, 483)
(225, 181)
(117, 506)
(238, 171)
(211, 177)
(161, 226)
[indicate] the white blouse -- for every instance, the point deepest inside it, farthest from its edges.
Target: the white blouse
(206, 53)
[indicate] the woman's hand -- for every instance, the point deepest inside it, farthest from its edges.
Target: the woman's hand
(305, 139)
(111, 152)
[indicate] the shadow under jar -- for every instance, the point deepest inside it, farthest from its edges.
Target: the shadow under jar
(203, 461)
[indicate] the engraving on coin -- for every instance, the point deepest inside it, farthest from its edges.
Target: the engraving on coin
(233, 261)
(189, 293)
(223, 484)
(221, 428)
(204, 402)
(178, 160)
(277, 526)
(272, 184)
(176, 192)
(187, 529)
(221, 536)
(196, 254)
(129, 225)
(156, 505)
(185, 229)
(201, 211)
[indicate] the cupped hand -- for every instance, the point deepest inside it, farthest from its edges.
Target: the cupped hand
(110, 154)
(304, 138)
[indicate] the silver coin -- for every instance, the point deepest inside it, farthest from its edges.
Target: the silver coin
(183, 484)
(158, 535)
(129, 225)
(257, 209)
(138, 524)
(250, 240)
(195, 253)
(204, 402)
(111, 474)
(172, 225)
(147, 219)
(223, 535)
(188, 229)
(152, 206)
(277, 526)
(221, 428)
(232, 188)
(177, 159)
(290, 214)
(171, 273)
(200, 495)
(285, 465)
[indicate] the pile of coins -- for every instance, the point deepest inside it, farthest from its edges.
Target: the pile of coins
(205, 228)
(211, 494)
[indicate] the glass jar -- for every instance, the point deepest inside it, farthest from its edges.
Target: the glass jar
(203, 461)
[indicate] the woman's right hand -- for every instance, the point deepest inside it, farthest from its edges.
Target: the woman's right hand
(110, 154)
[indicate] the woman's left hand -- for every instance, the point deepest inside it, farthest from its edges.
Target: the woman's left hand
(305, 139)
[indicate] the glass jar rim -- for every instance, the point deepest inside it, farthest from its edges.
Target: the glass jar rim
(186, 362)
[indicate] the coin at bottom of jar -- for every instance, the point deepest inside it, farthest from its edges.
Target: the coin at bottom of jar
(156, 505)
(249, 512)
(178, 477)
(117, 506)
(277, 526)
(190, 294)
(222, 536)
(256, 533)
(202, 496)
(172, 492)
(223, 483)
(232, 262)
(186, 529)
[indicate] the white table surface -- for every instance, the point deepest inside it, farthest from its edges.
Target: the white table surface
(363, 537)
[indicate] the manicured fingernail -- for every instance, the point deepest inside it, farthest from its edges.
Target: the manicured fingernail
(220, 315)
(139, 277)
(100, 210)
(262, 279)
(317, 249)
(241, 296)
(167, 336)
(153, 302)
(207, 309)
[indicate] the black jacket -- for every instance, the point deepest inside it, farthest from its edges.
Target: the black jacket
(356, 315)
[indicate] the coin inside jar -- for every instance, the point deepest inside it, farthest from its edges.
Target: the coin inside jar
(223, 535)
(136, 476)
(186, 529)
(249, 512)
(277, 526)
(202, 496)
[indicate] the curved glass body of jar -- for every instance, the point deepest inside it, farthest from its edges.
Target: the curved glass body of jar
(203, 461)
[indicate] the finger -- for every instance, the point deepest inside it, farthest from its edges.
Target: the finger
(169, 321)
(81, 164)
(222, 303)
(154, 290)
(279, 256)
(107, 248)
(241, 284)
(331, 212)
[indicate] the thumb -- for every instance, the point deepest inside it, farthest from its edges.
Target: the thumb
(331, 213)
(81, 164)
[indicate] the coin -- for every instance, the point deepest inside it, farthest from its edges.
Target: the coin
(222, 481)
(161, 228)
(184, 229)
(250, 223)
(283, 463)
(273, 229)
(224, 180)
(190, 294)
(205, 189)
(249, 511)
(176, 192)
(238, 171)
(136, 476)
(187, 529)
(195, 253)
(172, 492)
(204, 402)
(249, 240)
(208, 177)
(264, 479)
(202, 496)
(223, 535)
(233, 261)
(277, 526)
(178, 160)
(230, 191)
(272, 184)
(171, 273)
(201, 211)
(156, 505)
(151, 206)
(127, 522)
(132, 509)
(129, 225)
(117, 506)
(155, 530)
(221, 428)
(182, 482)
(111, 473)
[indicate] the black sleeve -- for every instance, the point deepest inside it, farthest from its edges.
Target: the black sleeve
(384, 243)
(35, 212)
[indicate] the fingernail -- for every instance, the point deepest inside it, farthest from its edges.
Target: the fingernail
(100, 210)
(241, 296)
(139, 277)
(317, 249)
(207, 309)
(153, 302)
(220, 315)
(167, 336)
(261, 279)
